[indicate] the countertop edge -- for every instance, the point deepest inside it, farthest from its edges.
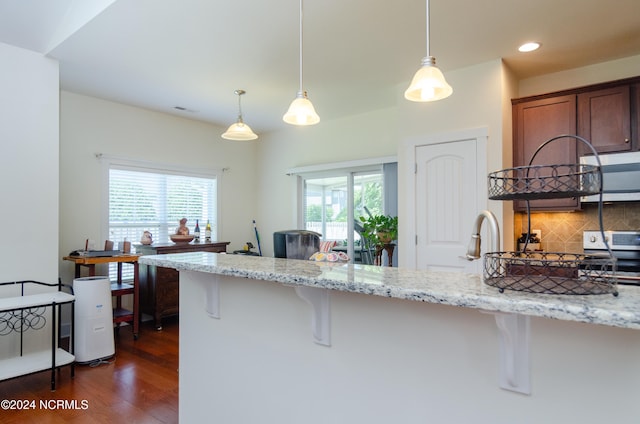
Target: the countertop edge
(457, 289)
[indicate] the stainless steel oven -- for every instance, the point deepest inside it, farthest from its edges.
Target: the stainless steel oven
(625, 246)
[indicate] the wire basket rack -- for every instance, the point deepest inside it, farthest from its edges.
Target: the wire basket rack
(544, 182)
(550, 272)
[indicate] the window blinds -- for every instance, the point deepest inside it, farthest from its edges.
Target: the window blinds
(140, 201)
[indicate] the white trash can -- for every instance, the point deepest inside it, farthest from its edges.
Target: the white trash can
(93, 319)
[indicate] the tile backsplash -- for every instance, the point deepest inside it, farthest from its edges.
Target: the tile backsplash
(562, 231)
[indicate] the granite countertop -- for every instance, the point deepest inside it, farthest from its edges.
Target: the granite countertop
(447, 288)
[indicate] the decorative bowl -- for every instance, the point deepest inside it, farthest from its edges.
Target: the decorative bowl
(181, 239)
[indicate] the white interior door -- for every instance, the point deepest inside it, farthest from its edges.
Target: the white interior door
(447, 190)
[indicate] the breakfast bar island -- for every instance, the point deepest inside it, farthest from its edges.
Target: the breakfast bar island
(273, 340)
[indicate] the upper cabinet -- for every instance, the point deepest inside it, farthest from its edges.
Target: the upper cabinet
(604, 119)
(607, 115)
(535, 122)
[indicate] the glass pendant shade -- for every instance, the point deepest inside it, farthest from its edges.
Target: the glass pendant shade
(428, 84)
(301, 111)
(239, 131)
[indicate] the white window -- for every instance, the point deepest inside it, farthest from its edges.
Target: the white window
(332, 200)
(155, 199)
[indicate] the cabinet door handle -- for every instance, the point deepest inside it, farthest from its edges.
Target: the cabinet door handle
(626, 140)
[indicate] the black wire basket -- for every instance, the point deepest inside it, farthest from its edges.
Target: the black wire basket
(544, 182)
(545, 272)
(551, 273)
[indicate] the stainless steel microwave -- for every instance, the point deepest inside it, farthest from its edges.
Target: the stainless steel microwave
(620, 177)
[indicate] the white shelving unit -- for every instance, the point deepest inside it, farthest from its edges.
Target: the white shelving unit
(28, 312)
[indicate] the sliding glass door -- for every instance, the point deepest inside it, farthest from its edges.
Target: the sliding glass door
(333, 202)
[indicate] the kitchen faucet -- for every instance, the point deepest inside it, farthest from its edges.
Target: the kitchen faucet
(473, 252)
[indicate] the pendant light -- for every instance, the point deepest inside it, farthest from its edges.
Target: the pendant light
(428, 84)
(239, 131)
(301, 111)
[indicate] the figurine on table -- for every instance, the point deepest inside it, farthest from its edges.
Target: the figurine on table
(147, 238)
(182, 230)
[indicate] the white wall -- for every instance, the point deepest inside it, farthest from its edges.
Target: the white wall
(509, 91)
(29, 173)
(28, 165)
(89, 125)
(593, 74)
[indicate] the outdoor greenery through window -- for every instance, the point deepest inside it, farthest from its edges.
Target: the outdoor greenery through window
(140, 201)
(326, 203)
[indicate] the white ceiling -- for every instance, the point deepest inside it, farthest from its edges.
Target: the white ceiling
(160, 54)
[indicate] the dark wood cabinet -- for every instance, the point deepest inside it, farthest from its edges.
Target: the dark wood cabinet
(535, 122)
(607, 115)
(158, 285)
(635, 116)
(604, 119)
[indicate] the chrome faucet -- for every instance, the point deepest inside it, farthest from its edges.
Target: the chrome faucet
(473, 252)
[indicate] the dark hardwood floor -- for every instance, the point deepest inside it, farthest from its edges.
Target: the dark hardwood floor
(140, 385)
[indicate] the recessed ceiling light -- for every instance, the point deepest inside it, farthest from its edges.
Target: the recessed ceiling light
(529, 47)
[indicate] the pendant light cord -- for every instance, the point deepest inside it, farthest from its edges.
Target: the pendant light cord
(301, 17)
(427, 32)
(239, 93)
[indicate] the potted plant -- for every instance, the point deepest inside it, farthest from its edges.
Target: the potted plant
(380, 229)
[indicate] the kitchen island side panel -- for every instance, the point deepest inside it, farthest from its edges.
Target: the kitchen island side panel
(390, 360)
